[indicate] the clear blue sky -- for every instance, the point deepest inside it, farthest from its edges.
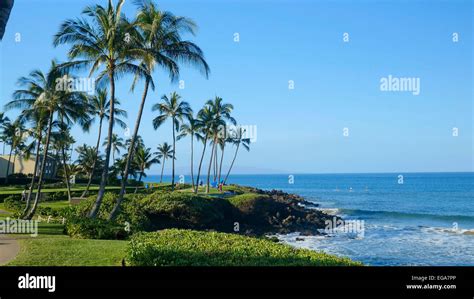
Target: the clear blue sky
(336, 83)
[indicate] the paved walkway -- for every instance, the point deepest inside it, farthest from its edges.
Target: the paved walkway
(9, 247)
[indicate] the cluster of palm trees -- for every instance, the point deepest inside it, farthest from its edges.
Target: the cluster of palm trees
(108, 45)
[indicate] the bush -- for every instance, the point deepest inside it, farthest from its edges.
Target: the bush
(175, 247)
(185, 210)
(87, 228)
(131, 210)
(56, 196)
(13, 203)
(243, 201)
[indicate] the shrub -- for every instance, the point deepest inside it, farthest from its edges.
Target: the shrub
(131, 210)
(246, 200)
(185, 210)
(87, 228)
(175, 247)
(13, 203)
(56, 196)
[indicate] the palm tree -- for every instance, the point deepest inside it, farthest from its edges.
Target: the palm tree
(42, 93)
(160, 44)
(138, 143)
(99, 106)
(174, 109)
(118, 168)
(220, 113)
(87, 160)
(192, 128)
(100, 40)
(3, 120)
(222, 142)
(61, 142)
(38, 119)
(237, 140)
(165, 151)
(117, 144)
(15, 136)
(206, 119)
(144, 159)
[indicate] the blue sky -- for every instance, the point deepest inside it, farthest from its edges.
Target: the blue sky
(337, 84)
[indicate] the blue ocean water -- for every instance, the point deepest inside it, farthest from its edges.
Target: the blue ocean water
(416, 219)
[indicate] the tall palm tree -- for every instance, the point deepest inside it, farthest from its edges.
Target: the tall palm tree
(160, 44)
(3, 120)
(144, 159)
(99, 106)
(61, 142)
(165, 151)
(100, 43)
(38, 119)
(117, 144)
(41, 93)
(221, 112)
(206, 119)
(222, 142)
(176, 110)
(192, 128)
(237, 140)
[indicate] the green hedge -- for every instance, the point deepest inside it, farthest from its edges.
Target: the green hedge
(175, 247)
(87, 228)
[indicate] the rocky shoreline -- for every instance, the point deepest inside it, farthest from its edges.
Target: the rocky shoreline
(278, 212)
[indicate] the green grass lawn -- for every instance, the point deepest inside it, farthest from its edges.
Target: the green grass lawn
(55, 204)
(52, 248)
(61, 250)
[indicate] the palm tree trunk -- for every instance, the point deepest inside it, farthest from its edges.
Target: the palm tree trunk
(43, 167)
(105, 173)
(28, 199)
(8, 165)
(130, 153)
(174, 152)
(139, 181)
(209, 168)
(162, 168)
(192, 165)
(215, 164)
(232, 164)
(66, 173)
(200, 164)
(220, 165)
(91, 174)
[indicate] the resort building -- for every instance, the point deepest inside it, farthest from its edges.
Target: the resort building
(26, 166)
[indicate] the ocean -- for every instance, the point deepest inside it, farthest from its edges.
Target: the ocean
(407, 218)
